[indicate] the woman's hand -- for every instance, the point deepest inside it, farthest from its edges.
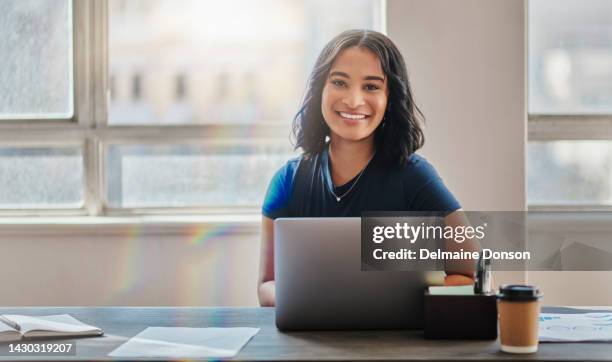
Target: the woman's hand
(457, 279)
(267, 296)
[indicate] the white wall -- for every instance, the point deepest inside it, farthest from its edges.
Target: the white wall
(466, 63)
(150, 264)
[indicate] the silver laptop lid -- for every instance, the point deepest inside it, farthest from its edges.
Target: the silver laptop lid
(320, 285)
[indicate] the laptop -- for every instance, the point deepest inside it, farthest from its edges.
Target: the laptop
(320, 285)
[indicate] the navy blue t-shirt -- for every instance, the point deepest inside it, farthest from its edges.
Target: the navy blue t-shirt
(301, 188)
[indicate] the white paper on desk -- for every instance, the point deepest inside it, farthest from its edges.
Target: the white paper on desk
(583, 327)
(184, 342)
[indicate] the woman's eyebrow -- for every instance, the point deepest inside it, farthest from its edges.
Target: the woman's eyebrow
(339, 74)
(345, 75)
(374, 77)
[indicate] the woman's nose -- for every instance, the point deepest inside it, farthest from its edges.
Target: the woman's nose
(353, 99)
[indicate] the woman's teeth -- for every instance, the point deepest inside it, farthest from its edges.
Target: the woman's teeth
(352, 116)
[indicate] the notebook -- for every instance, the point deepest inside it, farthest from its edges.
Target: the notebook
(14, 327)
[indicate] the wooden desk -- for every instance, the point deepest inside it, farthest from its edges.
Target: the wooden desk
(119, 324)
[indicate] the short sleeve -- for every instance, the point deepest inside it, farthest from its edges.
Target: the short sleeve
(427, 191)
(276, 201)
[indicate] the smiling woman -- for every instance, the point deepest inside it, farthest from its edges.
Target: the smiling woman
(359, 129)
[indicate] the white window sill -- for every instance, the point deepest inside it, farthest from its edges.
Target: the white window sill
(83, 225)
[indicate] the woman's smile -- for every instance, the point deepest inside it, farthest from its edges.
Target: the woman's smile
(352, 118)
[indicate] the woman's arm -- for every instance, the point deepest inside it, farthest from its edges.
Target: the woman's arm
(456, 270)
(265, 287)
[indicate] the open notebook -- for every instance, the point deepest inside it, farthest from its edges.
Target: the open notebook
(14, 327)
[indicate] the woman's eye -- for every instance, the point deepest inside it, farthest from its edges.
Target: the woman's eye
(371, 87)
(338, 82)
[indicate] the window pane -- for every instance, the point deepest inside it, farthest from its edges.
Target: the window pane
(570, 56)
(570, 172)
(190, 175)
(235, 61)
(36, 59)
(41, 178)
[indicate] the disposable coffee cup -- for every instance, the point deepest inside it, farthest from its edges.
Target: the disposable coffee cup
(519, 311)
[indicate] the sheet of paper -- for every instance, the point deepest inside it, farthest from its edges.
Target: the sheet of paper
(593, 327)
(452, 290)
(184, 342)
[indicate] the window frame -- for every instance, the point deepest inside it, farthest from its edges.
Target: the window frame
(550, 127)
(76, 130)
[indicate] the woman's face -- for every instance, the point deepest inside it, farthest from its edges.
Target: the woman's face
(354, 97)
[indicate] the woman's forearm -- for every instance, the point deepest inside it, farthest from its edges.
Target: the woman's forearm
(463, 267)
(266, 294)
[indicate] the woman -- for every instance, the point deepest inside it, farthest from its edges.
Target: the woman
(358, 128)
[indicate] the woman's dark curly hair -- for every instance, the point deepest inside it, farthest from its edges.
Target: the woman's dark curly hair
(400, 133)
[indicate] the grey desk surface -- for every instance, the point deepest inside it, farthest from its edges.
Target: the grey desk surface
(121, 323)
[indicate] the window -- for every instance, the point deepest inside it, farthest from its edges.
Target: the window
(34, 177)
(190, 175)
(36, 80)
(112, 107)
(570, 104)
